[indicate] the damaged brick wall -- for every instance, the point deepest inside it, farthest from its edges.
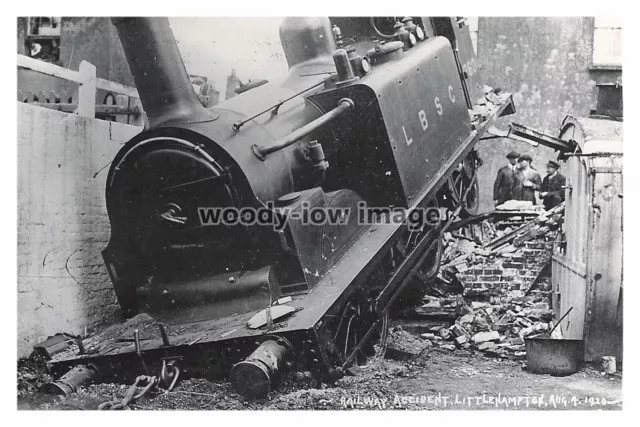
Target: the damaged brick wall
(507, 273)
(63, 161)
(505, 254)
(492, 292)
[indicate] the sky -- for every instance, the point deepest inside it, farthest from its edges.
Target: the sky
(211, 47)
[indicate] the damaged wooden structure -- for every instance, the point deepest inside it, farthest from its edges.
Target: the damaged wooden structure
(587, 261)
(587, 267)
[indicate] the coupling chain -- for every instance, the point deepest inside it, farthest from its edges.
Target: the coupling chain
(131, 396)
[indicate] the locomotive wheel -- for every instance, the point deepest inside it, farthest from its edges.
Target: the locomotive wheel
(462, 187)
(431, 265)
(356, 338)
(365, 351)
(422, 278)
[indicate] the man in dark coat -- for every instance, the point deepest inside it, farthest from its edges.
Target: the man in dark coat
(503, 187)
(527, 179)
(552, 191)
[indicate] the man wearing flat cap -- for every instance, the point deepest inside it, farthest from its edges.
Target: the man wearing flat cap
(503, 187)
(527, 179)
(552, 189)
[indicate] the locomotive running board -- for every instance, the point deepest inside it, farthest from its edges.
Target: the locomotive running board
(123, 358)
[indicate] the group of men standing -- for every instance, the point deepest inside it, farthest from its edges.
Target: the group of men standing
(520, 181)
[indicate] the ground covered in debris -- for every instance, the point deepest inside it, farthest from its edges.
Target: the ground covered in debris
(436, 379)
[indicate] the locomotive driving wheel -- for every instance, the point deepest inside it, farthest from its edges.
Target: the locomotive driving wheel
(428, 262)
(462, 186)
(355, 337)
(431, 260)
(364, 351)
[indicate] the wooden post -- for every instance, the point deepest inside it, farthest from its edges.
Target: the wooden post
(136, 120)
(87, 90)
(123, 101)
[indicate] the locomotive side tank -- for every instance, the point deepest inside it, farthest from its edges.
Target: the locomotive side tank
(383, 121)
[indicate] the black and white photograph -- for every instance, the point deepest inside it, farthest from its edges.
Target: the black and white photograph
(337, 213)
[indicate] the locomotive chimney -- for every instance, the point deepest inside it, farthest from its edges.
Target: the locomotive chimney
(161, 79)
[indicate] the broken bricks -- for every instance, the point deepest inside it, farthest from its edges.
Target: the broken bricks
(516, 341)
(467, 318)
(458, 331)
(534, 329)
(482, 337)
(483, 296)
(488, 345)
(462, 339)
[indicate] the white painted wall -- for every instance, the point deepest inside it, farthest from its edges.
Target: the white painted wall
(63, 285)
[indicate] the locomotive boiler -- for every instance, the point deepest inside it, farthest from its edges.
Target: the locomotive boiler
(375, 112)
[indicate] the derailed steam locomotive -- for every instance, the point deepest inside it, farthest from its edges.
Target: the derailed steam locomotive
(374, 111)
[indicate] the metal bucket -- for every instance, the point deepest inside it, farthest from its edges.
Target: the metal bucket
(555, 357)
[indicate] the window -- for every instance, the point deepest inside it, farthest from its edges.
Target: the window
(43, 38)
(607, 41)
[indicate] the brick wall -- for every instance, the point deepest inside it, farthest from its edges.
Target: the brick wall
(62, 222)
(508, 274)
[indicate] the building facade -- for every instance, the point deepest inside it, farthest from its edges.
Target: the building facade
(554, 66)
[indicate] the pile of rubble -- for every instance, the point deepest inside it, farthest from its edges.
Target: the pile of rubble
(496, 329)
(492, 290)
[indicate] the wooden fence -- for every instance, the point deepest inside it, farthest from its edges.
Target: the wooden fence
(120, 103)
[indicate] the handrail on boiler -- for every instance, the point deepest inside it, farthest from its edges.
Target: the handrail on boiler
(263, 151)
